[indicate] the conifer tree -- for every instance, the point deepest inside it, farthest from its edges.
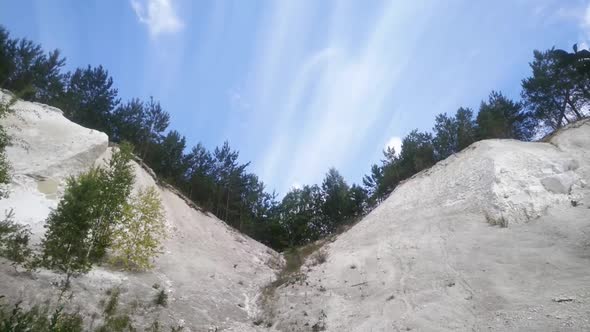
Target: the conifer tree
(90, 98)
(26, 69)
(466, 130)
(445, 136)
(557, 91)
(336, 205)
(358, 198)
(417, 152)
(500, 117)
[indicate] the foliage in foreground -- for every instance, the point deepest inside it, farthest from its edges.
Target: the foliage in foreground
(5, 106)
(14, 241)
(49, 317)
(39, 318)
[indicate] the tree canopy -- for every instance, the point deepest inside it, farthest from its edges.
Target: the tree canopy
(556, 93)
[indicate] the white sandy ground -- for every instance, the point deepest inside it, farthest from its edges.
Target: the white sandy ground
(212, 273)
(427, 259)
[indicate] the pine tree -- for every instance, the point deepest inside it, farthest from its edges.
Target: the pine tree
(358, 200)
(138, 237)
(558, 90)
(336, 206)
(466, 131)
(200, 177)
(90, 98)
(127, 122)
(26, 69)
(445, 136)
(500, 117)
(417, 153)
(167, 159)
(301, 216)
(156, 120)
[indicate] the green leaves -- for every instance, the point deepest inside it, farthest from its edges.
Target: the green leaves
(70, 228)
(500, 117)
(24, 67)
(557, 93)
(79, 230)
(14, 241)
(4, 141)
(137, 238)
(89, 97)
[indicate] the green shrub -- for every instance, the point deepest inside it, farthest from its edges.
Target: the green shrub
(112, 303)
(38, 319)
(14, 241)
(502, 222)
(161, 298)
(137, 238)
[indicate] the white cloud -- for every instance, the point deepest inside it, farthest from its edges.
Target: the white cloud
(584, 20)
(159, 16)
(396, 143)
(587, 16)
(558, 12)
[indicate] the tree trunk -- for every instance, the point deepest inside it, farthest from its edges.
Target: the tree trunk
(562, 110)
(240, 218)
(227, 207)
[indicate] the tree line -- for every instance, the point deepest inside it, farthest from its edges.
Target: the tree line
(556, 93)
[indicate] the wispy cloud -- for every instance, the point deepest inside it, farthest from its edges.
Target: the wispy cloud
(328, 100)
(578, 12)
(586, 20)
(159, 16)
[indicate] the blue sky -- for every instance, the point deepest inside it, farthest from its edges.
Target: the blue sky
(300, 86)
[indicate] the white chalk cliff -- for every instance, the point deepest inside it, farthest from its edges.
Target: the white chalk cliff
(429, 259)
(212, 273)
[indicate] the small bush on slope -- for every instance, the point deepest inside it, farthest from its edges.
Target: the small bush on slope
(114, 321)
(161, 298)
(115, 190)
(137, 239)
(38, 319)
